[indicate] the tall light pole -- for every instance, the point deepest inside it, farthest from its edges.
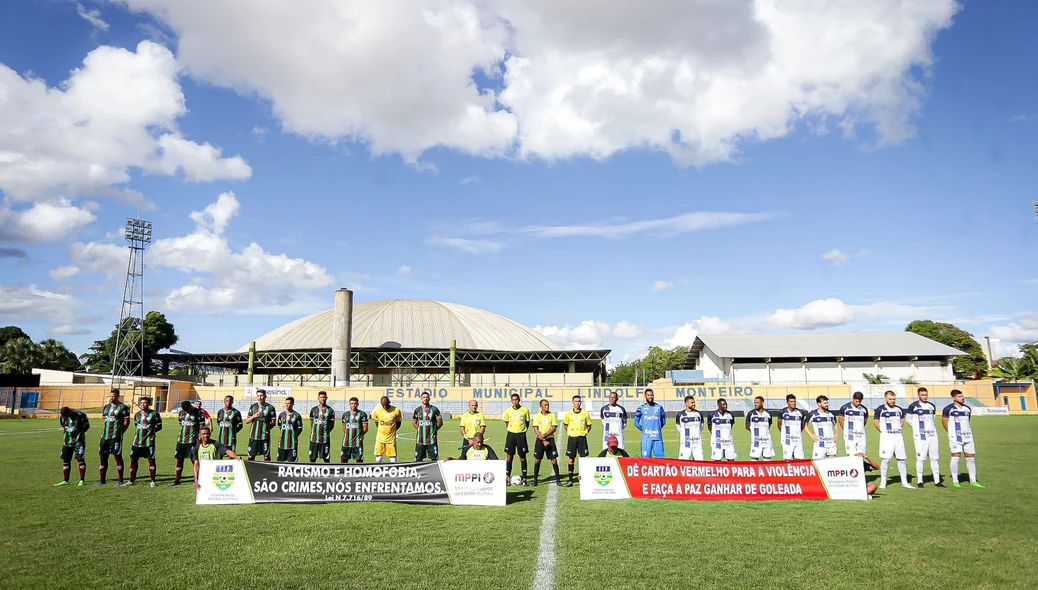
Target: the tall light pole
(128, 360)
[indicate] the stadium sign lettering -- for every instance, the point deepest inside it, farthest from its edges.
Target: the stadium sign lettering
(415, 392)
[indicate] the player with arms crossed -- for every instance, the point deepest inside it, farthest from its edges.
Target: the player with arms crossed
(427, 421)
(578, 425)
(544, 426)
(354, 427)
(956, 420)
(190, 419)
(517, 422)
(650, 419)
(74, 425)
(472, 422)
(889, 419)
(614, 420)
(230, 422)
(823, 423)
(146, 424)
(208, 449)
(116, 418)
(853, 416)
(388, 419)
(689, 423)
(722, 442)
(758, 422)
(291, 425)
(262, 416)
(791, 424)
(921, 414)
(322, 423)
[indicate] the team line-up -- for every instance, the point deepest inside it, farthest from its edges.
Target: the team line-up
(195, 443)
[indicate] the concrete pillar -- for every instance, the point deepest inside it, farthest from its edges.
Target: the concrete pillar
(572, 367)
(454, 358)
(252, 361)
(165, 367)
(342, 326)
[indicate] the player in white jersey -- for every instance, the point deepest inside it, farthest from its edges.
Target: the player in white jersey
(758, 422)
(690, 431)
(889, 420)
(921, 414)
(722, 442)
(823, 423)
(852, 416)
(956, 420)
(614, 420)
(791, 429)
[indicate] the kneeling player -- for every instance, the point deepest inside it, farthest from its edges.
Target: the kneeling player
(889, 419)
(208, 450)
(722, 443)
(758, 422)
(690, 431)
(613, 449)
(823, 422)
(544, 426)
(477, 451)
(74, 425)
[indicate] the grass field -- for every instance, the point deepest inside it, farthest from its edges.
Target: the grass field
(157, 538)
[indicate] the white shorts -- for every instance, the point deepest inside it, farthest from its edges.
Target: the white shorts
(965, 446)
(721, 449)
(823, 448)
(619, 439)
(694, 451)
(855, 445)
(892, 445)
(793, 450)
(762, 448)
(929, 448)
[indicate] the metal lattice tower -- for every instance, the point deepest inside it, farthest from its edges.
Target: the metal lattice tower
(128, 360)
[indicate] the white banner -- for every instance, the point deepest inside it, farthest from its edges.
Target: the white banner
(843, 477)
(475, 483)
(223, 482)
(991, 411)
(601, 479)
(272, 392)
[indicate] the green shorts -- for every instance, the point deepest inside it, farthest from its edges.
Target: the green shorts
(352, 453)
(320, 451)
(288, 455)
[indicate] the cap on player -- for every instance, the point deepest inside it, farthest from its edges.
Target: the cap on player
(612, 441)
(478, 435)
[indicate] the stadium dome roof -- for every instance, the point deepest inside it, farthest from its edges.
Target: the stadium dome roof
(407, 323)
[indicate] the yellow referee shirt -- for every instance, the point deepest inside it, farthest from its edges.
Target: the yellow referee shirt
(516, 420)
(545, 422)
(387, 424)
(472, 423)
(577, 423)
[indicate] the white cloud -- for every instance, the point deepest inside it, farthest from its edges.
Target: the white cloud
(117, 112)
(1023, 329)
(577, 78)
(43, 222)
(590, 333)
(1020, 118)
(839, 257)
(107, 259)
(821, 313)
(685, 335)
(662, 228)
(64, 272)
(467, 245)
(661, 285)
(92, 16)
(68, 330)
(403, 271)
(469, 180)
(18, 303)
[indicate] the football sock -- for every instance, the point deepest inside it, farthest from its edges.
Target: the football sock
(66, 470)
(955, 469)
(971, 467)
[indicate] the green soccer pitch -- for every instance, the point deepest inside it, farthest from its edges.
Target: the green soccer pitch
(157, 538)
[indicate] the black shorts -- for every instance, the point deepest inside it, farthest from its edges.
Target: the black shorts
(259, 448)
(78, 451)
(142, 453)
(576, 445)
(515, 443)
(320, 451)
(540, 449)
(288, 455)
(423, 451)
(352, 453)
(184, 451)
(112, 446)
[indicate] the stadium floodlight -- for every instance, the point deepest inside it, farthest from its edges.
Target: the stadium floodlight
(138, 230)
(128, 360)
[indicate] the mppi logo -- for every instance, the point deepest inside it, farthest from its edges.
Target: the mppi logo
(474, 477)
(840, 473)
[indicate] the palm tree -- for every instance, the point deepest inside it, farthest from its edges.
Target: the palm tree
(55, 356)
(19, 356)
(1014, 369)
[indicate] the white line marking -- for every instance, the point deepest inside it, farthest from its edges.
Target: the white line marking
(32, 431)
(544, 577)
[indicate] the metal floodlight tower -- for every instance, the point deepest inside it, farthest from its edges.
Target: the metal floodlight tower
(128, 360)
(1036, 211)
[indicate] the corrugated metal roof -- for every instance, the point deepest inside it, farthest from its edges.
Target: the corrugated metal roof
(408, 323)
(845, 344)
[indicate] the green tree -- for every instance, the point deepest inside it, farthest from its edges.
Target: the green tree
(159, 334)
(654, 366)
(54, 355)
(11, 333)
(622, 374)
(19, 356)
(1014, 369)
(875, 379)
(972, 366)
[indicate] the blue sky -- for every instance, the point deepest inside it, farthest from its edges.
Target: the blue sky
(614, 179)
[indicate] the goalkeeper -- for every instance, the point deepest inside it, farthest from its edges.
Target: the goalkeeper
(650, 419)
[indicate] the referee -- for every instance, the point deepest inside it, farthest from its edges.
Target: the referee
(578, 425)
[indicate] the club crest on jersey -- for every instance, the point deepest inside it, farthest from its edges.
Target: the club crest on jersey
(603, 475)
(223, 478)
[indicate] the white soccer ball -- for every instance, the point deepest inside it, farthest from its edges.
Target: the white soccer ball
(516, 480)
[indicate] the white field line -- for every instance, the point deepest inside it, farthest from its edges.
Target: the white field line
(544, 577)
(57, 430)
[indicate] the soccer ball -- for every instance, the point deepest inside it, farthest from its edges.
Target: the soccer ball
(516, 480)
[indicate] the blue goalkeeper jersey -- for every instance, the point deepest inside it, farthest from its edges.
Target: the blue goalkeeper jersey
(650, 419)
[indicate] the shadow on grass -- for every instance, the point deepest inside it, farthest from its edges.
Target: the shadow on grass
(520, 496)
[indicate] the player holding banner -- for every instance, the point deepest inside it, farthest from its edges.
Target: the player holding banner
(791, 426)
(852, 417)
(690, 431)
(924, 434)
(889, 420)
(758, 422)
(614, 420)
(722, 442)
(824, 424)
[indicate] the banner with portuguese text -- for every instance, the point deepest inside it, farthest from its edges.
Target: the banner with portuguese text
(841, 478)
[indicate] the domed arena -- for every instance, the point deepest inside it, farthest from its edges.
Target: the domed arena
(401, 342)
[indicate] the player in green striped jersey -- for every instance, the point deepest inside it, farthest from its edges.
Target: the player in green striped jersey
(146, 423)
(354, 427)
(262, 416)
(116, 418)
(74, 425)
(190, 420)
(322, 423)
(427, 421)
(291, 425)
(230, 423)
